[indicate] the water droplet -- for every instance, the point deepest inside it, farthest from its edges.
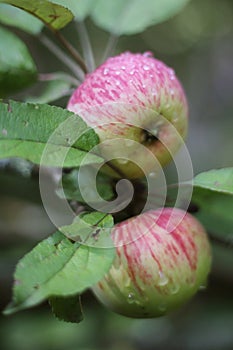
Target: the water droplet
(175, 289)
(172, 92)
(129, 143)
(132, 72)
(123, 67)
(145, 67)
(4, 132)
(36, 107)
(171, 71)
(162, 307)
(203, 286)
(106, 71)
(123, 161)
(117, 72)
(118, 83)
(148, 54)
(131, 298)
(143, 86)
(163, 280)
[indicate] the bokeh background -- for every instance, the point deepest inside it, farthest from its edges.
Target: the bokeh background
(198, 44)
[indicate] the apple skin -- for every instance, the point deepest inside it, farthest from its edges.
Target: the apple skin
(138, 98)
(156, 269)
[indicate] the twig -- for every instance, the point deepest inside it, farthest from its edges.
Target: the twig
(59, 76)
(62, 56)
(86, 45)
(226, 242)
(112, 42)
(74, 53)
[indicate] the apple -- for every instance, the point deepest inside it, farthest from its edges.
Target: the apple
(162, 258)
(133, 100)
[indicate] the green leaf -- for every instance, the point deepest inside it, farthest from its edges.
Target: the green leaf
(133, 16)
(67, 309)
(18, 18)
(46, 135)
(92, 229)
(80, 8)
(214, 210)
(57, 267)
(219, 180)
(212, 195)
(70, 186)
(17, 69)
(54, 16)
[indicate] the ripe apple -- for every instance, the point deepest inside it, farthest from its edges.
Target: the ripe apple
(162, 258)
(134, 100)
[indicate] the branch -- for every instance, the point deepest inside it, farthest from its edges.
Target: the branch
(86, 45)
(112, 42)
(62, 56)
(226, 242)
(71, 50)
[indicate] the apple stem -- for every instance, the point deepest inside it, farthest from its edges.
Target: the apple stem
(111, 45)
(86, 46)
(73, 52)
(70, 63)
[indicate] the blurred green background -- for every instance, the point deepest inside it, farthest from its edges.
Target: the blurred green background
(198, 44)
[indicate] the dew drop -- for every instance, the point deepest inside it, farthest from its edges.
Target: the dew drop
(123, 67)
(145, 67)
(171, 71)
(148, 54)
(36, 107)
(4, 132)
(202, 286)
(106, 71)
(172, 92)
(163, 280)
(117, 72)
(175, 289)
(132, 72)
(162, 307)
(131, 298)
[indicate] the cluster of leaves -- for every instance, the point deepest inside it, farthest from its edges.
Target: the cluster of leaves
(77, 256)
